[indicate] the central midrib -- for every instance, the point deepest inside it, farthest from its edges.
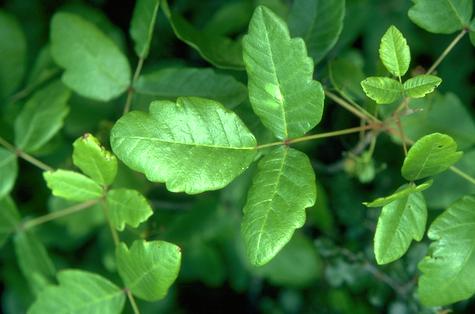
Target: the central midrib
(154, 139)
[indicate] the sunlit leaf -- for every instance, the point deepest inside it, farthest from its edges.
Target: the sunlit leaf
(394, 52)
(72, 186)
(127, 207)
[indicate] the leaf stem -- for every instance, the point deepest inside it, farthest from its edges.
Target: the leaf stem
(57, 214)
(131, 298)
(447, 50)
(463, 174)
(130, 92)
(320, 135)
(353, 107)
(115, 235)
(32, 160)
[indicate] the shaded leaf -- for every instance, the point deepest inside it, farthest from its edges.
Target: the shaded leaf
(127, 207)
(383, 90)
(394, 52)
(142, 25)
(12, 54)
(94, 65)
(400, 193)
(218, 50)
(72, 186)
(41, 117)
(35, 264)
(281, 86)
(441, 16)
(430, 155)
(149, 268)
(421, 85)
(94, 160)
(400, 221)
(346, 75)
(80, 292)
(8, 170)
(9, 218)
(448, 271)
(182, 143)
(319, 23)
(171, 83)
(283, 186)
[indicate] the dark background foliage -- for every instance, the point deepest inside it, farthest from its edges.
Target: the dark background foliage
(336, 273)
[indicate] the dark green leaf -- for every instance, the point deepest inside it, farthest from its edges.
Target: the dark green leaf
(142, 25)
(9, 218)
(94, 65)
(282, 188)
(281, 86)
(448, 272)
(182, 143)
(149, 268)
(319, 23)
(8, 170)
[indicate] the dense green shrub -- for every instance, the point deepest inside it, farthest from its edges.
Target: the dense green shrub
(240, 156)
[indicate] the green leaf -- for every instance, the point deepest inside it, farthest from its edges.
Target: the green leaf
(346, 74)
(319, 23)
(421, 85)
(172, 83)
(281, 87)
(394, 52)
(94, 65)
(448, 271)
(218, 50)
(9, 218)
(400, 221)
(149, 268)
(9, 171)
(94, 160)
(383, 90)
(80, 292)
(182, 143)
(400, 193)
(72, 186)
(283, 186)
(127, 207)
(142, 25)
(12, 54)
(42, 117)
(430, 155)
(442, 16)
(34, 261)
(282, 271)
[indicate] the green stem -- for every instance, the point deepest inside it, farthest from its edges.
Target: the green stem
(464, 175)
(131, 298)
(354, 108)
(447, 50)
(130, 93)
(318, 136)
(57, 214)
(115, 235)
(32, 160)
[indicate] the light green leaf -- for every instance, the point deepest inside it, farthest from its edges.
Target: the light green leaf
(72, 186)
(94, 160)
(441, 16)
(94, 65)
(282, 271)
(283, 186)
(394, 52)
(421, 85)
(218, 50)
(142, 25)
(182, 143)
(400, 193)
(127, 207)
(172, 83)
(42, 117)
(430, 155)
(281, 87)
(9, 218)
(80, 292)
(448, 271)
(9, 171)
(149, 268)
(383, 90)
(400, 221)
(35, 264)
(319, 23)
(12, 54)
